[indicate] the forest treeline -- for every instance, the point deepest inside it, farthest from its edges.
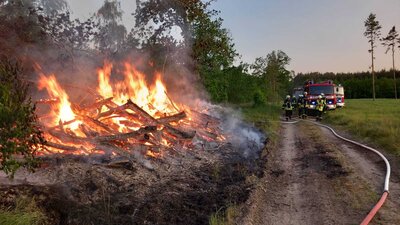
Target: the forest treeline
(357, 85)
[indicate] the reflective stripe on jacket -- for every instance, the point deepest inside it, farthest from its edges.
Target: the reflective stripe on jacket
(320, 105)
(287, 105)
(301, 103)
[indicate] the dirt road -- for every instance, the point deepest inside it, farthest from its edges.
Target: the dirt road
(313, 178)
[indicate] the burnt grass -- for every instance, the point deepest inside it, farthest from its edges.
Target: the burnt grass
(322, 160)
(184, 190)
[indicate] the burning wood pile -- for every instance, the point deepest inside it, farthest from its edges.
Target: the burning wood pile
(127, 117)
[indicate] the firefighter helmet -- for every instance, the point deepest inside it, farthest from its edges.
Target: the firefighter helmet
(287, 96)
(305, 93)
(322, 94)
(319, 96)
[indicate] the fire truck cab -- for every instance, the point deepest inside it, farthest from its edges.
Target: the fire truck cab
(328, 88)
(297, 92)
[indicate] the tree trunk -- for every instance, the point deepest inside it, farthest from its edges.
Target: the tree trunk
(394, 75)
(373, 71)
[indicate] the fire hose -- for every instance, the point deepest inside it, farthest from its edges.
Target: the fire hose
(385, 193)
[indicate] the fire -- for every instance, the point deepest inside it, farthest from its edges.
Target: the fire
(151, 97)
(62, 111)
(132, 113)
(104, 74)
(153, 154)
(160, 98)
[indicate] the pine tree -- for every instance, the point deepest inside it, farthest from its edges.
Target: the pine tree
(372, 32)
(390, 42)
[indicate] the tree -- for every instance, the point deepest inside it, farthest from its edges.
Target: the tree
(111, 34)
(210, 46)
(20, 135)
(51, 7)
(157, 18)
(20, 28)
(259, 66)
(272, 69)
(390, 42)
(200, 29)
(69, 35)
(372, 32)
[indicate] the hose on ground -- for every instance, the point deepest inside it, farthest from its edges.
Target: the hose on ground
(385, 193)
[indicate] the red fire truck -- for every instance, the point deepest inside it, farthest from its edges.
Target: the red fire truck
(339, 91)
(328, 88)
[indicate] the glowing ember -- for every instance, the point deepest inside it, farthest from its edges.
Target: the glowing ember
(153, 154)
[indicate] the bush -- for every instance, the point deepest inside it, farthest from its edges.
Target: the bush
(25, 212)
(20, 135)
(259, 98)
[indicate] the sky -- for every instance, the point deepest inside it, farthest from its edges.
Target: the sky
(86, 8)
(318, 35)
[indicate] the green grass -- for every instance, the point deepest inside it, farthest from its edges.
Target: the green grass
(226, 217)
(265, 117)
(376, 121)
(25, 212)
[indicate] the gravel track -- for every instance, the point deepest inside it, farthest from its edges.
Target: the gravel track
(314, 178)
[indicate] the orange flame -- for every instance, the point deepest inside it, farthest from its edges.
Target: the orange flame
(105, 88)
(62, 111)
(152, 98)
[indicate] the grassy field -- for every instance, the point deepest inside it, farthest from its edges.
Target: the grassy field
(375, 122)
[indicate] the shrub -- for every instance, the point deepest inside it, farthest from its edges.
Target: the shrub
(20, 135)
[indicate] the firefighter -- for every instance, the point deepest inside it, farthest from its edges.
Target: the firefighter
(294, 102)
(301, 106)
(287, 106)
(320, 107)
(324, 100)
(306, 105)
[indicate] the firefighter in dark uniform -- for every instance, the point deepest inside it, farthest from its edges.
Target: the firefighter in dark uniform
(287, 106)
(301, 105)
(320, 107)
(306, 105)
(294, 102)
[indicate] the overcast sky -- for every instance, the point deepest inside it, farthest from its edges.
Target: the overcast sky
(319, 35)
(85, 8)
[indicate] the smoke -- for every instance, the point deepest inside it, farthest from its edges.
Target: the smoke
(249, 140)
(245, 138)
